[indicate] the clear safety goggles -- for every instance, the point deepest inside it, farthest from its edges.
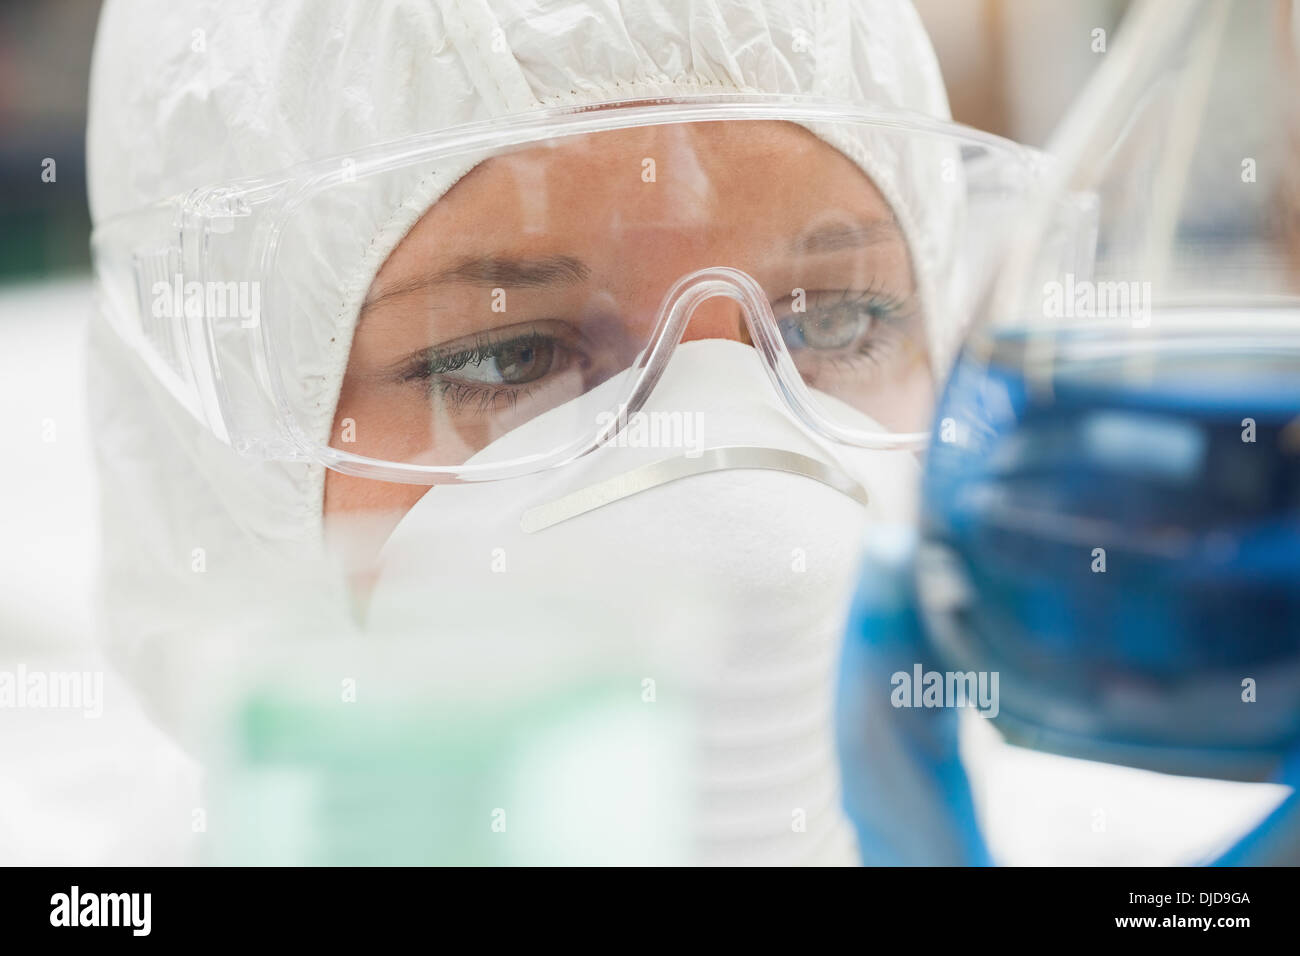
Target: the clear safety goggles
(483, 276)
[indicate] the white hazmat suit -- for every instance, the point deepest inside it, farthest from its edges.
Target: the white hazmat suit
(184, 94)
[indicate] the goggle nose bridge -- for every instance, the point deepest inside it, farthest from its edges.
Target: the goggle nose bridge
(680, 303)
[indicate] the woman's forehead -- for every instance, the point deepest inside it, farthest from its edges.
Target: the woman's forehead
(676, 171)
(651, 195)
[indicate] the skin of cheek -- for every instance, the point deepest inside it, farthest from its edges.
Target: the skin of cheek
(348, 494)
(378, 503)
(359, 515)
(363, 511)
(913, 402)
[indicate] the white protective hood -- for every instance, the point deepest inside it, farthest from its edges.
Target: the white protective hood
(188, 93)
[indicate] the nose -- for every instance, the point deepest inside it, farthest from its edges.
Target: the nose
(718, 317)
(714, 303)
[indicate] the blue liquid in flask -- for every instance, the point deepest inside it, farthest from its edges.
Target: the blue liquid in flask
(1119, 538)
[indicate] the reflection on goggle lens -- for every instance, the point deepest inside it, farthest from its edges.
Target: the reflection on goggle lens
(540, 277)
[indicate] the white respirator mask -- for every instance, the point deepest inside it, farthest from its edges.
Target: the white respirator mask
(714, 524)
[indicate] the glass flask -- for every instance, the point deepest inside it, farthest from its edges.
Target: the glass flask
(1111, 515)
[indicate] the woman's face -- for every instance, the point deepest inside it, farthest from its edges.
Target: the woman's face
(540, 275)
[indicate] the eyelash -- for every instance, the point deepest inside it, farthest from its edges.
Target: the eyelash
(885, 307)
(484, 347)
(460, 395)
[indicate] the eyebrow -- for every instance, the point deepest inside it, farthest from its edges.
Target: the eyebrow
(523, 273)
(492, 272)
(848, 236)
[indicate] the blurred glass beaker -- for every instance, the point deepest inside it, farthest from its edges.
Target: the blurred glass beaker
(1112, 500)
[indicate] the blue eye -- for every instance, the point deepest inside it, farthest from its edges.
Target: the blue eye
(836, 328)
(839, 321)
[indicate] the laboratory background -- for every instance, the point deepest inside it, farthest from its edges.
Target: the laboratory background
(78, 791)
